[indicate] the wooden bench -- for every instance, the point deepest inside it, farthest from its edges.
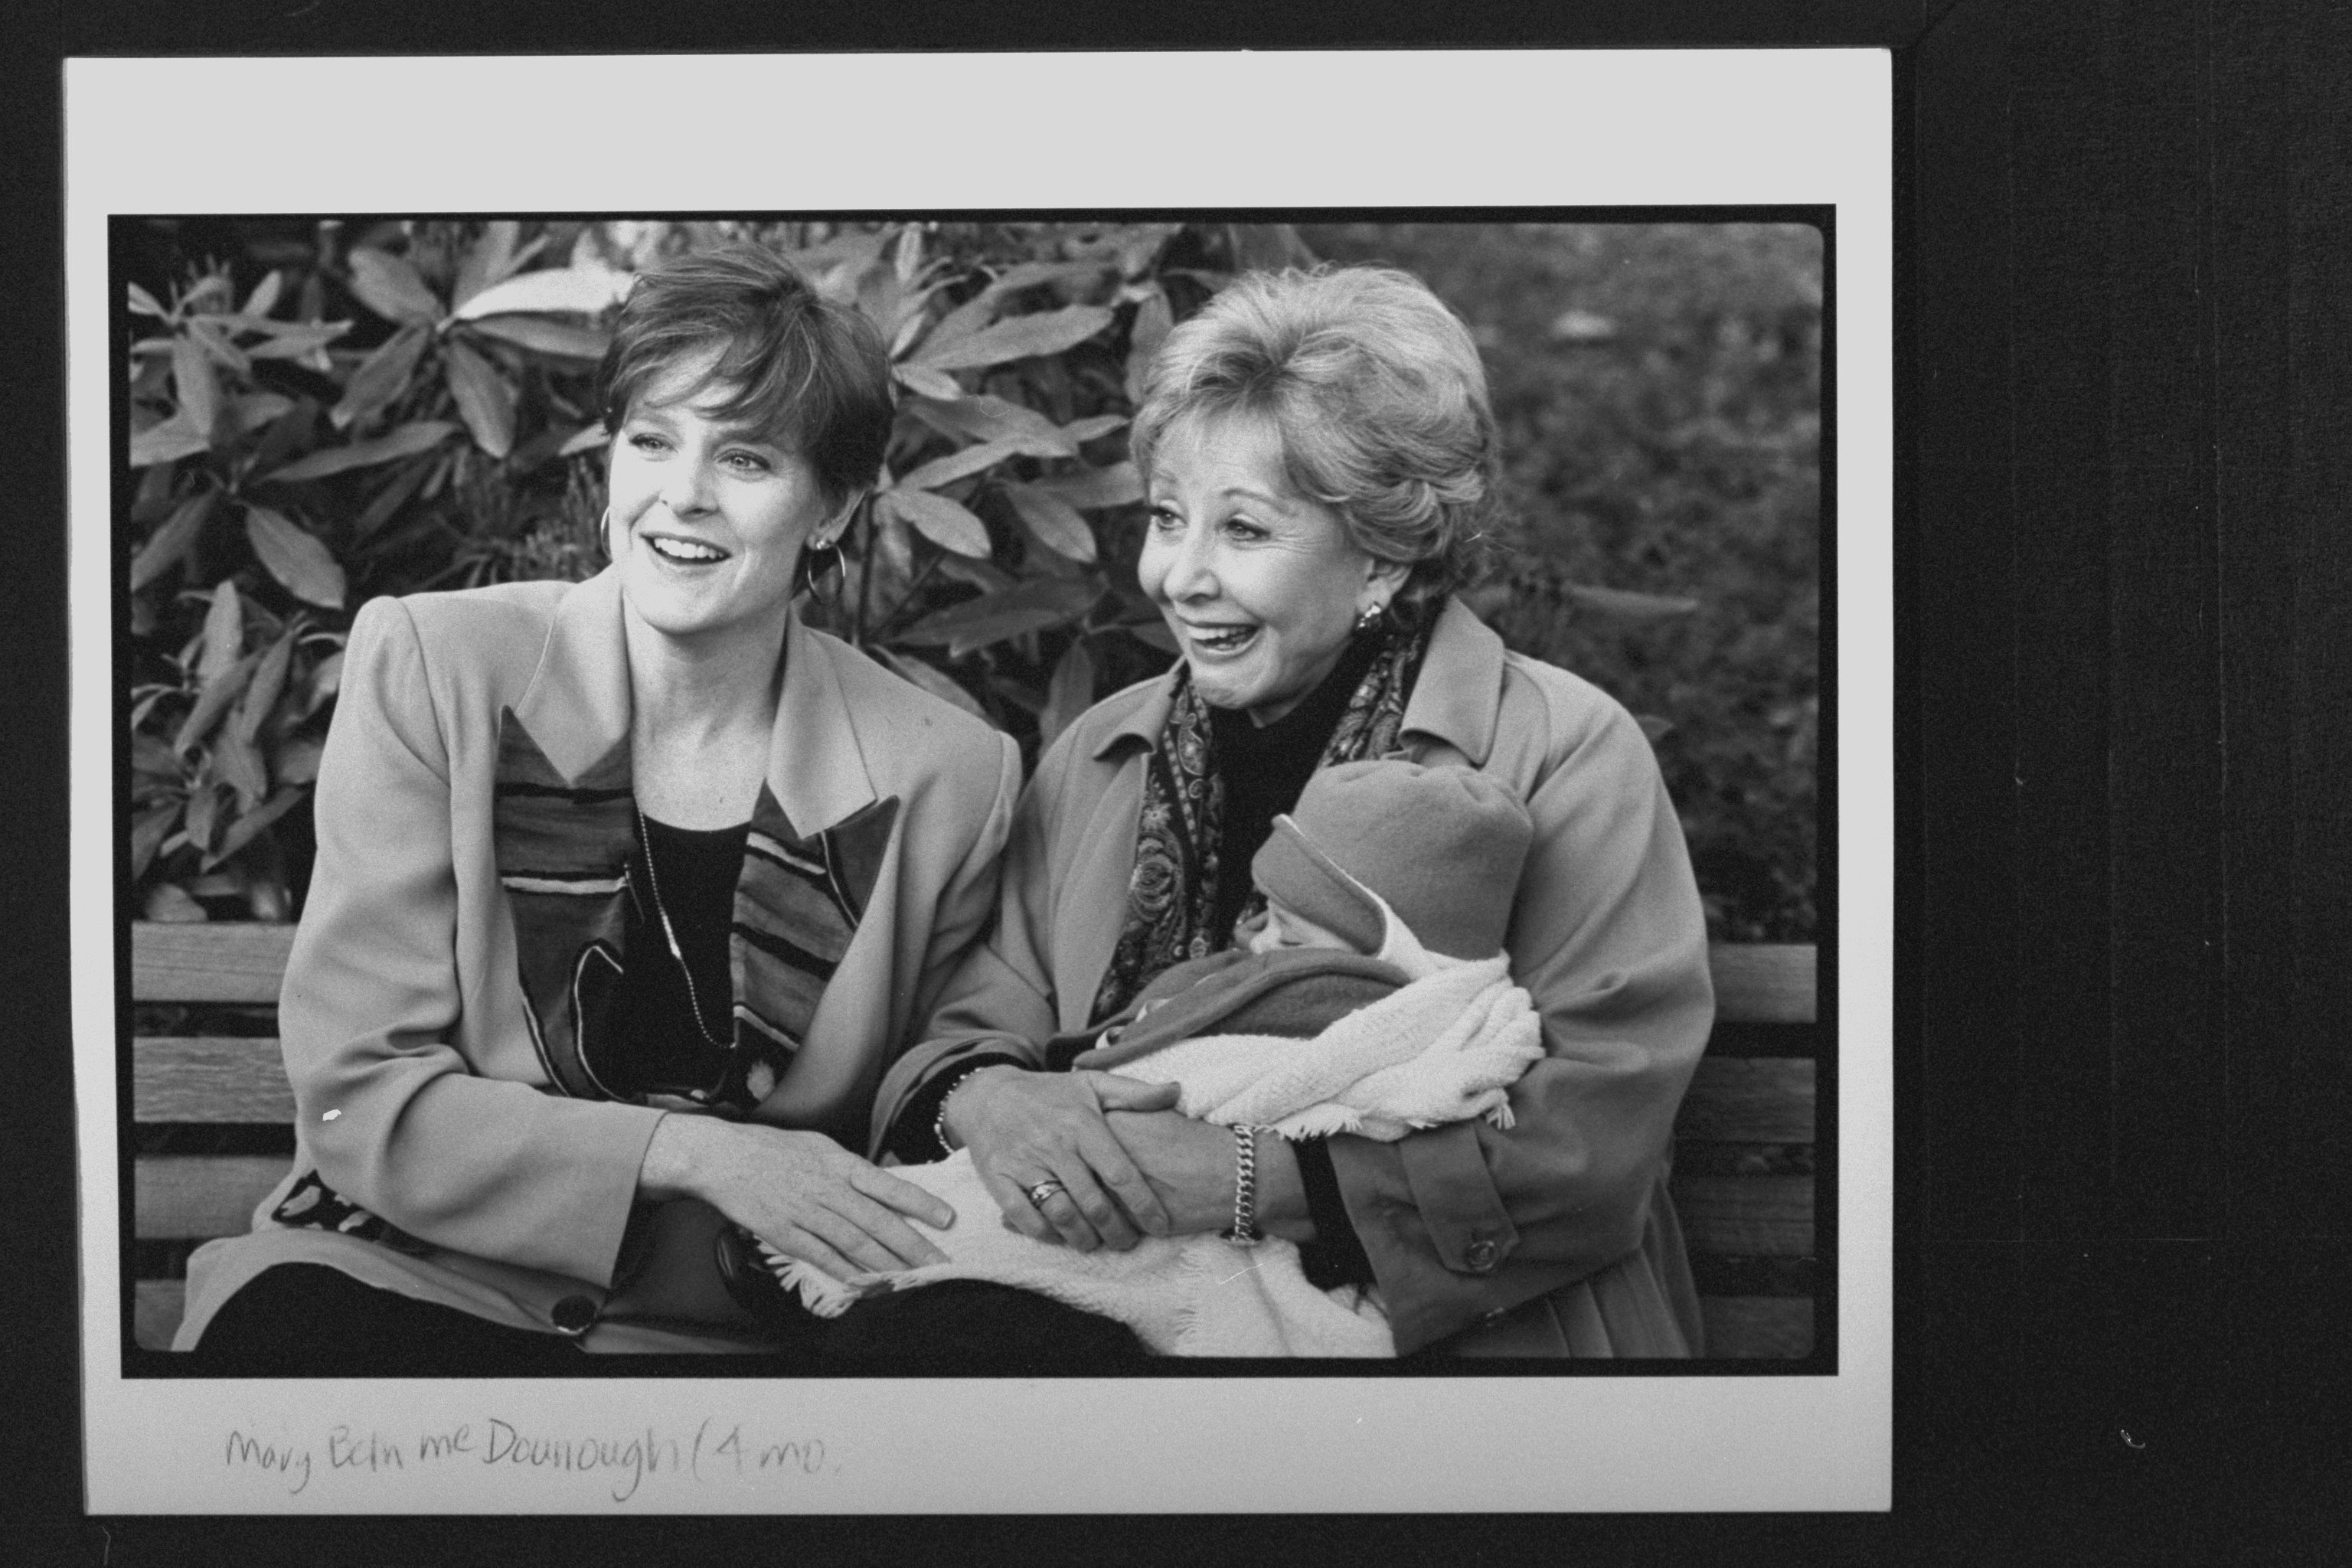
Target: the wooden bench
(1743, 1178)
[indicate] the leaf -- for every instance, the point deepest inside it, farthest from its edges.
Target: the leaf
(940, 520)
(261, 694)
(168, 905)
(250, 826)
(264, 298)
(1029, 274)
(210, 334)
(930, 383)
(256, 409)
(986, 417)
(224, 633)
(963, 320)
(959, 465)
(1055, 522)
(295, 558)
(388, 500)
(169, 544)
(381, 377)
(1021, 337)
(405, 441)
(1153, 323)
(166, 442)
(1625, 604)
(1094, 489)
(559, 340)
(326, 679)
(211, 703)
(390, 287)
(1070, 693)
(144, 303)
(936, 682)
(236, 764)
(292, 341)
(485, 400)
(488, 260)
(1082, 430)
(297, 761)
(147, 833)
(587, 438)
(993, 617)
(579, 290)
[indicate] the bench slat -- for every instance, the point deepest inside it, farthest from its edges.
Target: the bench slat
(230, 961)
(1763, 983)
(1748, 1099)
(208, 1078)
(184, 1197)
(1747, 1217)
(1745, 1327)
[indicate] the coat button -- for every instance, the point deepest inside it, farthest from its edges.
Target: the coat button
(1479, 1255)
(575, 1315)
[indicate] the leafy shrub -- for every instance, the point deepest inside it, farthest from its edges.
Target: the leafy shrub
(324, 412)
(1658, 387)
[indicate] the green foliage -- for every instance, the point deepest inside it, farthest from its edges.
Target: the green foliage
(321, 415)
(1658, 387)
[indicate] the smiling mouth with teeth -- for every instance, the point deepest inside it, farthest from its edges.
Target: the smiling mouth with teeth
(1224, 639)
(684, 552)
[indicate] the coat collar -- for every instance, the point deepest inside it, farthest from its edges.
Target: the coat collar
(577, 709)
(1456, 697)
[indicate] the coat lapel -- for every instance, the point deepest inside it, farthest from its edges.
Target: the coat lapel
(563, 820)
(815, 851)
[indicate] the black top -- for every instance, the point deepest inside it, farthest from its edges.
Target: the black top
(696, 871)
(1264, 767)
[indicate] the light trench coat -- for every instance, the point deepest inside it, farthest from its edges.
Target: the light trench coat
(1555, 1237)
(474, 820)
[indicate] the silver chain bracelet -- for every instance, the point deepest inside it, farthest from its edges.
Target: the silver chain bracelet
(1245, 1231)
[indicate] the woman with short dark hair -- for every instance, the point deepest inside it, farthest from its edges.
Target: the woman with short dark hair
(1320, 458)
(628, 892)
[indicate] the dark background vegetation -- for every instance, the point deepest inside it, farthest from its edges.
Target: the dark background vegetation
(326, 410)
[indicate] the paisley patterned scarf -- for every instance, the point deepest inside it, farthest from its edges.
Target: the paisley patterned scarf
(1173, 891)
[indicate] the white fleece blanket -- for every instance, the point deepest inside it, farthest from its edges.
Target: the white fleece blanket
(1443, 1047)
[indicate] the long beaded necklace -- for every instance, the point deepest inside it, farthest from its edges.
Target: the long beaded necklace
(669, 932)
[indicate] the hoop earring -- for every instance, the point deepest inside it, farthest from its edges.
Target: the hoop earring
(605, 535)
(814, 568)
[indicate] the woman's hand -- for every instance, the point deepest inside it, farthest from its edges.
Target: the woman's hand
(1025, 1128)
(801, 1192)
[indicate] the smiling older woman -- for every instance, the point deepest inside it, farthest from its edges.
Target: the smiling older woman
(1320, 457)
(609, 874)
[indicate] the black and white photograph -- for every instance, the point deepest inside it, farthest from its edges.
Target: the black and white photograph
(755, 846)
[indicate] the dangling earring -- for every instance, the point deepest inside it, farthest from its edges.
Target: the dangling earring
(814, 568)
(1371, 618)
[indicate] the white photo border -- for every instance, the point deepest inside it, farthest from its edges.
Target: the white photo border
(1221, 131)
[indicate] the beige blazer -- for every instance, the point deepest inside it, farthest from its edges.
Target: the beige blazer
(474, 817)
(1554, 1238)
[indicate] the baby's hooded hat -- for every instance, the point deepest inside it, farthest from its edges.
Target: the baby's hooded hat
(1443, 846)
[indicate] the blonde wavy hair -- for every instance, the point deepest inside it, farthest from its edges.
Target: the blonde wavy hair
(1379, 397)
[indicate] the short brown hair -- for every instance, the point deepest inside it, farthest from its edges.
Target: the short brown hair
(1377, 393)
(812, 372)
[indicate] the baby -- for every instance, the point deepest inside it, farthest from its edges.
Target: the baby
(1372, 999)
(1383, 873)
